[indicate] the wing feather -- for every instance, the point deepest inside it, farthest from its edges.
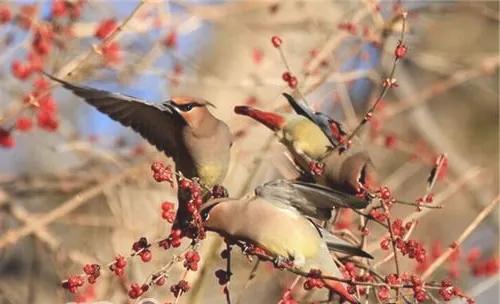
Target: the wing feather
(160, 127)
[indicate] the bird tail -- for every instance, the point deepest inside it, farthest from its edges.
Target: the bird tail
(340, 289)
(273, 121)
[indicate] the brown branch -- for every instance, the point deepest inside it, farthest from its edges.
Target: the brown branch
(65, 208)
(479, 218)
(393, 243)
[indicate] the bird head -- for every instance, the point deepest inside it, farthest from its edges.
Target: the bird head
(359, 170)
(192, 110)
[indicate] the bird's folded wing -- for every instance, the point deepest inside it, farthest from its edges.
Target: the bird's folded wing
(299, 108)
(322, 196)
(337, 244)
(158, 126)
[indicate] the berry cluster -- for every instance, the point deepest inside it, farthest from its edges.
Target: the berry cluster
(162, 173)
(173, 240)
(168, 213)
(93, 271)
(179, 288)
(136, 290)
(118, 266)
(141, 248)
(72, 283)
(414, 249)
(194, 228)
(191, 259)
(314, 280)
(290, 79)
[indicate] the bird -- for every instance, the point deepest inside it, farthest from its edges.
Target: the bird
(333, 130)
(272, 221)
(182, 128)
(351, 171)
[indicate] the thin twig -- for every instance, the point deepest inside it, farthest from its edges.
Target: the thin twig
(78, 200)
(479, 218)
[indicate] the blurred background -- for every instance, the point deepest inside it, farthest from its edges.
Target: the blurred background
(80, 186)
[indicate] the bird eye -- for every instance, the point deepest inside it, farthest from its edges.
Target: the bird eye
(186, 107)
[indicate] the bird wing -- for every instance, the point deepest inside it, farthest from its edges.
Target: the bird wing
(323, 196)
(299, 108)
(308, 198)
(337, 244)
(320, 119)
(160, 127)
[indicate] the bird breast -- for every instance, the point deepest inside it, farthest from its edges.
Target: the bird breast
(306, 136)
(280, 231)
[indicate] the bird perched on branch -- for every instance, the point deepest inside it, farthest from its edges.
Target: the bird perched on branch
(183, 128)
(310, 137)
(271, 219)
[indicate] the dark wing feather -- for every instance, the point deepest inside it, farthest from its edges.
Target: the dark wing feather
(299, 108)
(160, 127)
(307, 198)
(337, 244)
(324, 196)
(320, 119)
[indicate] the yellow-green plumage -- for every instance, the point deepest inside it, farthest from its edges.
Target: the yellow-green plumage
(304, 135)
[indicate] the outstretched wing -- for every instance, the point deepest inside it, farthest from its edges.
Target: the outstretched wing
(160, 127)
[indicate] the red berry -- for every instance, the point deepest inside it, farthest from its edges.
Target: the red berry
(185, 184)
(170, 40)
(167, 206)
(276, 41)
(146, 256)
(111, 53)
(20, 70)
(257, 55)
(160, 281)
(400, 50)
(119, 272)
(390, 141)
(286, 76)
(5, 15)
(105, 28)
(383, 293)
(6, 139)
(24, 124)
(58, 8)
(385, 244)
(385, 193)
(292, 82)
(176, 233)
(176, 242)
